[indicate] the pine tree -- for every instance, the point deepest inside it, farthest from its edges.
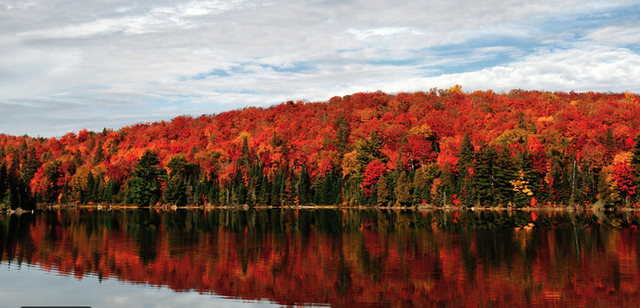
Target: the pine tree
(342, 138)
(420, 188)
(305, 194)
(585, 185)
(87, 195)
(484, 175)
(77, 159)
(98, 155)
(607, 195)
(111, 191)
(147, 179)
(524, 179)
(3, 184)
(447, 182)
(175, 191)
(382, 190)
(464, 180)
(403, 189)
(609, 146)
(502, 174)
(265, 191)
(369, 150)
(327, 190)
(30, 165)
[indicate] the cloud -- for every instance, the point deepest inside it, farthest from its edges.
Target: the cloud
(581, 68)
(379, 32)
(113, 62)
(156, 20)
(627, 34)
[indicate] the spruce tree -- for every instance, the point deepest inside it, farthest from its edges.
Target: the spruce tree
(342, 138)
(369, 150)
(609, 146)
(447, 182)
(175, 191)
(88, 192)
(464, 180)
(147, 179)
(382, 191)
(484, 175)
(305, 193)
(3, 184)
(503, 171)
(403, 189)
(420, 186)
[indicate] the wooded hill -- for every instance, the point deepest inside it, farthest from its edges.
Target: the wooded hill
(441, 147)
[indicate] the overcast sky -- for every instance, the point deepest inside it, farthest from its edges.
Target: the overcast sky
(66, 65)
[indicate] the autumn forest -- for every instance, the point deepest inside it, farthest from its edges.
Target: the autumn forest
(439, 148)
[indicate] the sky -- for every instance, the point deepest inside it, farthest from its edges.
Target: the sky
(66, 65)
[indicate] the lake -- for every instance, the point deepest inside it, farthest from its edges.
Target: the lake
(284, 257)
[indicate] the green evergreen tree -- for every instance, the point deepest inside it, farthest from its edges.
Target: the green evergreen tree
(585, 185)
(326, 190)
(305, 194)
(77, 159)
(342, 138)
(265, 191)
(369, 150)
(175, 191)
(98, 155)
(609, 146)
(382, 191)
(607, 195)
(275, 199)
(464, 180)
(147, 180)
(420, 187)
(3, 184)
(502, 174)
(30, 165)
(403, 189)
(484, 175)
(111, 191)
(523, 171)
(447, 182)
(88, 193)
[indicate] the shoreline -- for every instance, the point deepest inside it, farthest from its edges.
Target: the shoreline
(167, 207)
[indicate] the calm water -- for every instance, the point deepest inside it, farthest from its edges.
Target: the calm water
(318, 257)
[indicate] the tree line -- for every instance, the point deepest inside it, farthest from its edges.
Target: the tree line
(442, 147)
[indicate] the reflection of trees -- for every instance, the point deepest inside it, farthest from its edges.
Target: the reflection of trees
(345, 257)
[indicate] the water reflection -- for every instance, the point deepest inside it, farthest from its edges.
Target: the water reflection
(343, 257)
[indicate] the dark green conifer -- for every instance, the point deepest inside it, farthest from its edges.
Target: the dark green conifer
(382, 192)
(147, 179)
(484, 175)
(464, 180)
(403, 189)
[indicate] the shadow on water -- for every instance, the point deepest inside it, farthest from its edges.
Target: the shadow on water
(344, 257)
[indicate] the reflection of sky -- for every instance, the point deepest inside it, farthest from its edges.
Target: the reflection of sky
(94, 64)
(31, 286)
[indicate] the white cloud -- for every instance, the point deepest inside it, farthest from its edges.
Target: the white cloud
(158, 19)
(380, 32)
(21, 5)
(627, 34)
(155, 59)
(581, 68)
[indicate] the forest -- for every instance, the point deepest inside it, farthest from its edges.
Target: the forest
(442, 147)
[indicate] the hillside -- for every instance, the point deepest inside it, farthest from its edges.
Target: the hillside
(439, 147)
